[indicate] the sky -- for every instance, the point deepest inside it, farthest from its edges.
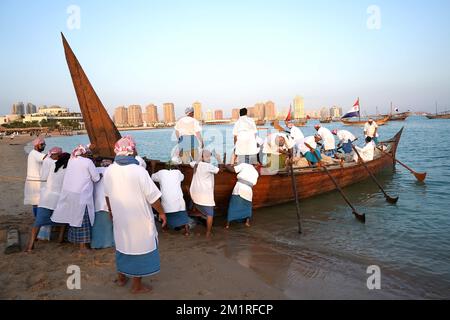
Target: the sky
(228, 54)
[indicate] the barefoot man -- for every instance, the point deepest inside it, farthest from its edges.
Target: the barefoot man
(130, 195)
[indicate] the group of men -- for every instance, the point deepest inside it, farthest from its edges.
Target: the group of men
(110, 203)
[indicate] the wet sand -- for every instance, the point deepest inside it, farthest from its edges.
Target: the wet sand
(236, 264)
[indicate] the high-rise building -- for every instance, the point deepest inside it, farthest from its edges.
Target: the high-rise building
(335, 112)
(197, 111)
(121, 116)
(259, 111)
(169, 113)
(151, 114)
(299, 107)
(135, 116)
(31, 108)
(18, 108)
(270, 111)
(218, 115)
(324, 113)
(209, 115)
(251, 112)
(235, 114)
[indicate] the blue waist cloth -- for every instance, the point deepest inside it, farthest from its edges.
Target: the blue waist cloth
(43, 218)
(102, 231)
(311, 158)
(177, 219)
(239, 209)
(125, 160)
(205, 210)
(347, 147)
(138, 266)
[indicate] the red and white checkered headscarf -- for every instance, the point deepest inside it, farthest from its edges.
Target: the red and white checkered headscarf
(125, 146)
(55, 150)
(79, 151)
(38, 141)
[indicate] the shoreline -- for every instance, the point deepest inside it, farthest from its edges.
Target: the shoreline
(237, 265)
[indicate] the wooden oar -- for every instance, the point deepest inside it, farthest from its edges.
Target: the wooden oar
(359, 216)
(388, 198)
(294, 189)
(419, 176)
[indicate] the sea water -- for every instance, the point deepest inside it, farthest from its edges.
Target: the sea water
(408, 241)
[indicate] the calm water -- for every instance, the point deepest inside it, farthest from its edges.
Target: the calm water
(410, 241)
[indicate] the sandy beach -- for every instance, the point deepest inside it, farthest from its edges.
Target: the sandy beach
(227, 267)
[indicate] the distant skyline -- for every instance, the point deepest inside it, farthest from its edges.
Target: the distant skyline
(227, 54)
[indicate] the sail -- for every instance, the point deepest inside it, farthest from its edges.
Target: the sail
(102, 131)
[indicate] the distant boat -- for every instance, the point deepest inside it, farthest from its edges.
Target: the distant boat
(399, 116)
(380, 122)
(327, 120)
(441, 115)
(260, 122)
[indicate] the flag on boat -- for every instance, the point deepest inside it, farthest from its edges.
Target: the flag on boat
(289, 115)
(353, 112)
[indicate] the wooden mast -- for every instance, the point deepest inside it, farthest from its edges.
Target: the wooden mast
(102, 131)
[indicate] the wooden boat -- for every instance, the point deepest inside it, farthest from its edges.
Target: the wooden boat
(399, 116)
(444, 115)
(271, 189)
(327, 120)
(276, 189)
(380, 122)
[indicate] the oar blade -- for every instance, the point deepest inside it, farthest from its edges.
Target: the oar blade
(392, 200)
(420, 176)
(360, 217)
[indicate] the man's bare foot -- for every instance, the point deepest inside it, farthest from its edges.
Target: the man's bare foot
(121, 280)
(208, 235)
(247, 224)
(141, 289)
(227, 226)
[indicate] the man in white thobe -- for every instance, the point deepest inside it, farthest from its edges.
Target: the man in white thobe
(245, 144)
(76, 203)
(130, 195)
(189, 136)
(329, 143)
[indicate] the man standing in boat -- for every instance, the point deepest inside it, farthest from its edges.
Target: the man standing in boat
(295, 133)
(245, 145)
(189, 136)
(371, 130)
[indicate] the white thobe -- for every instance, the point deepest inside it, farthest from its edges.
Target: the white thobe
(344, 135)
(172, 195)
(270, 146)
(327, 138)
(77, 193)
(99, 193)
(131, 193)
(249, 174)
(188, 126)
(202, 185)
(33, 182)
(369, 130)
(52, 184)
(297, 134)
(311, 141)
(367, 153)
(245, 132)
